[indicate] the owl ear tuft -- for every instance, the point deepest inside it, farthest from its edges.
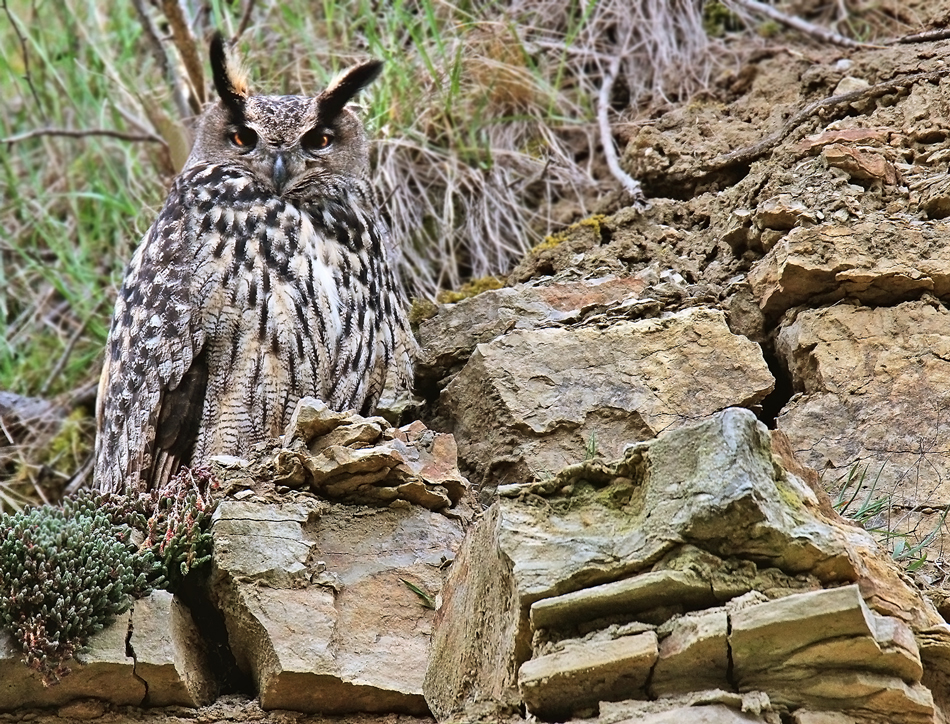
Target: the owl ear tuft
(346, 85)
(229, 78)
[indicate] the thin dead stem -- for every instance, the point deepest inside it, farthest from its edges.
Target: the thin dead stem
(184, 41)
(27, 74)
(629, 183)
(748, 154)
(822, 35)
(245, 18)
(76, 133)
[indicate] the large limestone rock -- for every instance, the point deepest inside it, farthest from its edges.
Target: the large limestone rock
(328, 605)
(531, 402)
(316, 602)
(102, 671)
(874, 388)
(448, 339)
(667, 574)
(152, 655)
(879, 261)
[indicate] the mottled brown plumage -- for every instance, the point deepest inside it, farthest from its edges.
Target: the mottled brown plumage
(265, 278)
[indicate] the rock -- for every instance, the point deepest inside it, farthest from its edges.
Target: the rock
(449, 338)
(849, 84)
(877, 261)
(631, 595)
(312, 418)
(694, 656)
(716, 714)
(935, 199)
(581, 675)
(343, 456)
(786, 647)
(169, 653)
(167, 665)
(861, 165)
(102, 671)
(83, 709)
(806, 716)
(711, 705)
(874, 385)
(23, 417)
(316, 600)
(533, 401)
(814, 143)
(782, 212)
(557, 572)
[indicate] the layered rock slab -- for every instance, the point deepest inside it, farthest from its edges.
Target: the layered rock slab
(555, 684)
(449, 338)
(877, 261)
(827, 650)
(328, 603)
(684, 536)
(533, 401)
(151, 655)
(874, 387)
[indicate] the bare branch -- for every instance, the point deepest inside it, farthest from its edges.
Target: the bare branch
(151, 35)
(73, 133)
(796, 23)
(188, 48)
(245, 19)
(27, 75)
(603, 104)
(750, 153)
(67, 352)
(924, 37)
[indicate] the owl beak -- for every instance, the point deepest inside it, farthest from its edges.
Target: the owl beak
(280, 172)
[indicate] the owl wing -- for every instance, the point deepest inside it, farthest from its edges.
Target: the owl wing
(152, 389)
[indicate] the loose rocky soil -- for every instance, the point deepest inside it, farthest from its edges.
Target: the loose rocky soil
(831, 250)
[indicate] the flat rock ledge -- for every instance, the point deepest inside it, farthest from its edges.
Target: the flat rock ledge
(153, 655)
(532, 401)
(694, 580)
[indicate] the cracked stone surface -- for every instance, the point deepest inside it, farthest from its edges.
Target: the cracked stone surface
(162, 665)
(531, 402)
(873, 389)
(329, 624)
(170, 654)
(692, 543)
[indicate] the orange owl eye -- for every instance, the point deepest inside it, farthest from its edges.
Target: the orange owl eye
(244, 138)
(316, 140)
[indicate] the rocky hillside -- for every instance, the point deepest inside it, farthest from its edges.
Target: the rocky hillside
(623, 544)
(794, 260)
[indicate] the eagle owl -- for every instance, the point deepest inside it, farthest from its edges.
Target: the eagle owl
(264, 279)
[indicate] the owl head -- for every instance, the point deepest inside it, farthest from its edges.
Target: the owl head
(288, 143)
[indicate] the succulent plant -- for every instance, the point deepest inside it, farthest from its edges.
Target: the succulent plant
(66, 571)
